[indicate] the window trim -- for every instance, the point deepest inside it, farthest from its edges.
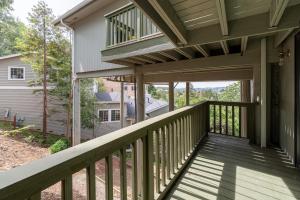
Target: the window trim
(109, 115)
(16, 79)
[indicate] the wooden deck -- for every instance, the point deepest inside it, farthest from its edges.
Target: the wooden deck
(230, 168)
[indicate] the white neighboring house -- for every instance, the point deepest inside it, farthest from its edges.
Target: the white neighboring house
(16, 97)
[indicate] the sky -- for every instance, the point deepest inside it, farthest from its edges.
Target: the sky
(59, 7)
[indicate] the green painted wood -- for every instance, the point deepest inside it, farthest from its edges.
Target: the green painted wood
(134, 171)
(36, 196)
(108, 178)
(66, 188)
(123, 173)
(91, 182)
(163, 156)
(157, 161)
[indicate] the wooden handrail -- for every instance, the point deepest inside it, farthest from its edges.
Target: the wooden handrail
(176, 133)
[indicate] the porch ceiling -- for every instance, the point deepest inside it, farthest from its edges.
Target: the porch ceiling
(207, 28)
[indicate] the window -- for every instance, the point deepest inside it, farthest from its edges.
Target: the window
(103, 115)
(16, 73)
(125, 88)
(115, 115)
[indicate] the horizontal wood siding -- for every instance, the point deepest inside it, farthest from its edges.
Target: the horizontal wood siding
(30, 106)
(90, 39)
(14, 62)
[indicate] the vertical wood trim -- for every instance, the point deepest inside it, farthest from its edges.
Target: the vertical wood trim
(240, 121)
(123, 174)
(263, 98)
(91, 181)
(122, 105)
(171, 136)
(157, 162)
(108, 178)
(226, 119)
(66, 188)
(171, 96)
(134, 172)
(148, 175)
(163, 156)
(76, 133)
(168, 152)
(187, 93)
(220, 118)
(215, 119)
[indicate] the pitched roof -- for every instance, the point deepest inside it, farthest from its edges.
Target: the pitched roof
(151, 104)
(10, 56)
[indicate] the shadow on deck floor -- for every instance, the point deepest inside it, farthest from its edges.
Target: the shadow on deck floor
(230, 168)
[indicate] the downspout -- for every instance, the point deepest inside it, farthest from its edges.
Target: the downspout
(73, 74)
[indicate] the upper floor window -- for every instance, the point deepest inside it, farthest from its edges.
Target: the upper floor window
(16, 73)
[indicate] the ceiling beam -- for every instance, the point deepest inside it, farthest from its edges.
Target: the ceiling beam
(154, 57)
(144, 60)
(134, 61)
(224, 47)
(255, 25)
(276, 11)
(223, 75)
(281, 36)
(106, 73)
(204, 51)
(213, 62)
(172, 55)
(187, 52)
(222, 16)
(169, 15)
(244, 41)
(147, 9)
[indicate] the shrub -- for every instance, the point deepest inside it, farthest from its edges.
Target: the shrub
(59, 145)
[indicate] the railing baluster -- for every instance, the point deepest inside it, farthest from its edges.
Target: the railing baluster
(168, 158)
(148, 189)
(163, 156)
(171, 136)
(175, 150)
(66, 188)
(233, 127)
(215, 119)
(123, 174)
(240, 120)
(226, 119)
(108, 178)
(220, 119)
(36, 196)
(91, 181)
(183, 138)
(157, 161)
(134, 172)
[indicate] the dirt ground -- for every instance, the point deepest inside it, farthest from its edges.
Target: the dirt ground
(15, 152)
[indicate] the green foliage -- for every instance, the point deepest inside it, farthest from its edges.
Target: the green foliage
(100, 85)
(59, 145)
(10, 28)
(88, 100)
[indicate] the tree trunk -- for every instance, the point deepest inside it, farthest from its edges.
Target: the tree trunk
(45, 108)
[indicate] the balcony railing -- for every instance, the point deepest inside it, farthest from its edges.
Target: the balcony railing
(165, 143)
(232, 118)
(128, 24)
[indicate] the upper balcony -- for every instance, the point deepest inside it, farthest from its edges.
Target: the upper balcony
(128, 25)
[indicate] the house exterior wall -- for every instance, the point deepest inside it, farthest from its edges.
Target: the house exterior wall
(90, 39)
(102, 128)
(18, 97)
(287, 98)
(112, 86)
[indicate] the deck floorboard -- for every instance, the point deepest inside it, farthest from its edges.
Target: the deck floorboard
(230, 168)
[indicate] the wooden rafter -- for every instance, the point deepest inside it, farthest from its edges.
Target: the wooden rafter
(222, 16)
(224, 47)
(244, 41)
(172, 56)
(144, 60)
(153, 57)
(202, 50)
(188, 53)
(276, 11)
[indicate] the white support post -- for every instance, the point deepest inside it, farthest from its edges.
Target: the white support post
(76, 133)
(263, 93)
(171, 96)
(187, 94)
(122, 106)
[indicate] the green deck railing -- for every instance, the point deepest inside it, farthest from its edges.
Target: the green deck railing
(164, 143)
